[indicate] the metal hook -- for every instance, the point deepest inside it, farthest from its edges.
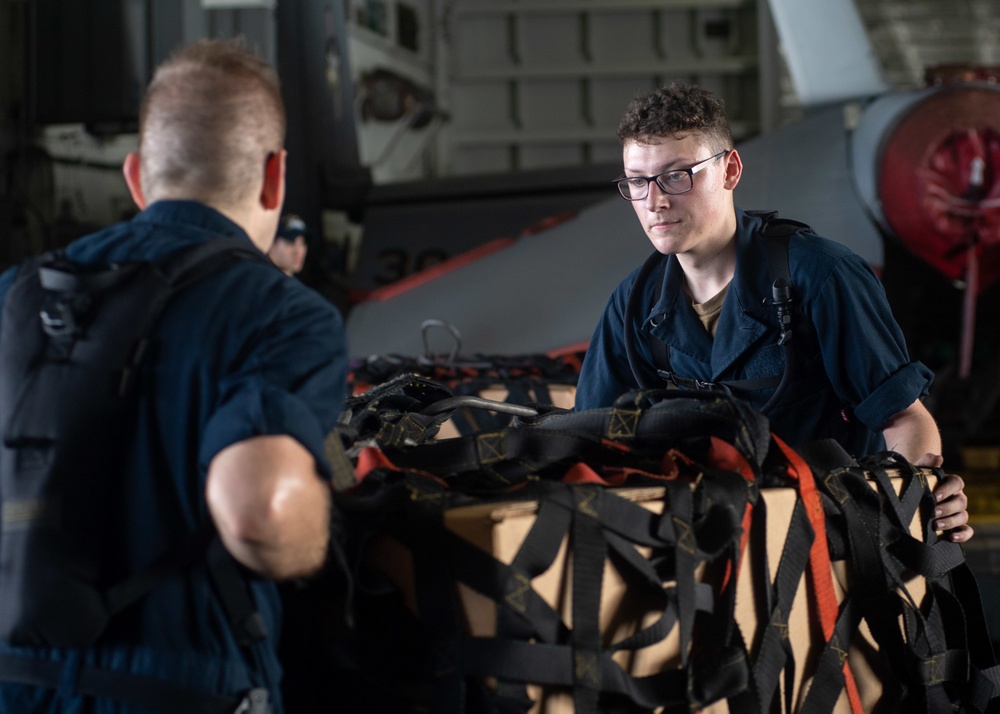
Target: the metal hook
(453, 356)
(450, 403)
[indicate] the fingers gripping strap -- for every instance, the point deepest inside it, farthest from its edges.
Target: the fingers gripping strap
(930, 557)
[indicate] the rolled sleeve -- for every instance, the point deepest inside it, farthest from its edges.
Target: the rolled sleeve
(895, 394)
(293, 382)
(864, 351)
(268, 410)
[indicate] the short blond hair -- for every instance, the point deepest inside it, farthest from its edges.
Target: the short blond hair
(210, 117)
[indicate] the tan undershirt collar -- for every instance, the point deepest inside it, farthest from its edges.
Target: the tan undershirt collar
(708, 312)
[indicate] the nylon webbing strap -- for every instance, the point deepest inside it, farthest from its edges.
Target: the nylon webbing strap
(134, 690)
(686, 556)
(510, 455)
(860, 508)
(588, 575)
(234, 592)
(824, 596)
(935, 646)
(699, 528)
(984, 684)
(774, 654)
(583, 514)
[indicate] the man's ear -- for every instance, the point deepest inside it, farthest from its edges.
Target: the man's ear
(133, 179)
(272, 194)
(734, 169)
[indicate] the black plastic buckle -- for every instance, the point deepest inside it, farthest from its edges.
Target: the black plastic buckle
(697, 385)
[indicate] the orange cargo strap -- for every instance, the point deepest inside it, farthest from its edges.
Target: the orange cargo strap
(819, 560)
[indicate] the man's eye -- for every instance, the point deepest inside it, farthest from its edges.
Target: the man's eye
(637, 182)
(673, 177)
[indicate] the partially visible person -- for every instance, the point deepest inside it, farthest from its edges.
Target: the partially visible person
(704, 314)
(288, 251)
(246, 377)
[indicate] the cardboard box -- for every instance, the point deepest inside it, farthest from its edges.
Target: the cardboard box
(500, 528)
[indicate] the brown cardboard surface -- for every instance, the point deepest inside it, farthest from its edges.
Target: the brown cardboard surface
(500, 528)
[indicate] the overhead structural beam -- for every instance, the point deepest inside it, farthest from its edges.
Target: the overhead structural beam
(324, 170)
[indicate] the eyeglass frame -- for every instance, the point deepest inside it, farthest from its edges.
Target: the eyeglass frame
(691, 170)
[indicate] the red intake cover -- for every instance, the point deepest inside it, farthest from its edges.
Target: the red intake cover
(939, 180)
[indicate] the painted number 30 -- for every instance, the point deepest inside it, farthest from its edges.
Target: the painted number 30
(396, 263)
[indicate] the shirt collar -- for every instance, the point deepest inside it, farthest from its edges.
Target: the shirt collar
(192, 214)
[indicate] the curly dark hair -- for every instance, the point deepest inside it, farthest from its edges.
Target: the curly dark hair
(677, 109)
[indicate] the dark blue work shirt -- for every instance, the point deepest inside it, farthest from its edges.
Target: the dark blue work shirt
(853, 372)
(244, 352)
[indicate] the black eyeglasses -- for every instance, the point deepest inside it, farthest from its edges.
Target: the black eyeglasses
(674, 181)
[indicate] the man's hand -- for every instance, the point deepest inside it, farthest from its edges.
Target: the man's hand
(950, 515)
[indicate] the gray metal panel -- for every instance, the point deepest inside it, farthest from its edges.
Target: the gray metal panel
(827, 50)
(544, 293)
(802, 171)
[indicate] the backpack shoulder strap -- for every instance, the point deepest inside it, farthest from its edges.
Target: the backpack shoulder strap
(189, 265)
(179, 270)
(777, 231)
(176, 271)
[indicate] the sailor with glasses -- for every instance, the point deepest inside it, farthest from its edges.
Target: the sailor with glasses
(701, 313)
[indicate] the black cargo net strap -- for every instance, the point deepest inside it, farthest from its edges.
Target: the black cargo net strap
(934, 646)
(931, 652)
(396, 414)
(499, 459)
(774, 653)
(596, 523)
(525, 379)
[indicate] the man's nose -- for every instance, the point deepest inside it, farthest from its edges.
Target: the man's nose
(656, 196)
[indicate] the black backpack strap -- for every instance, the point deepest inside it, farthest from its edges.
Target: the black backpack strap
(234, 591)
(179, 270)
(777, 231)
(123, 594)
(154, 695)
(190, 265)
(653, 269)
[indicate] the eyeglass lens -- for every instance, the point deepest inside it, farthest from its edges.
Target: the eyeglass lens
(673, 182)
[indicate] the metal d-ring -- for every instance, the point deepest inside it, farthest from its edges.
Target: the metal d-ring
(453, 356)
